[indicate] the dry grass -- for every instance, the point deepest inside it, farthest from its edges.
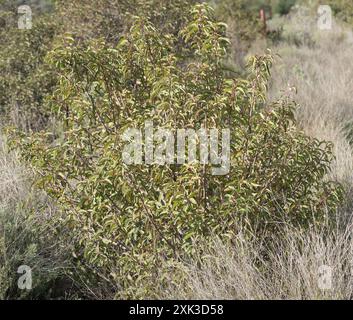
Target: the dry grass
(285, 267)
(322, 74)
(12, 180)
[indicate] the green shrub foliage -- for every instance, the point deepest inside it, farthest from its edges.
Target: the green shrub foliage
(343, 9)
(284, 6)
(124, 220)
(111, 18)
(244, 25)
(25, 79)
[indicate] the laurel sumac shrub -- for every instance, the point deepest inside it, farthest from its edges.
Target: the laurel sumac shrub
(125, 221)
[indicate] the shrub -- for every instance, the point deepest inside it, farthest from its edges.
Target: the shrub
(243, 23)
(125, 221)
(284, 6)
(24, 77)
(343, 9)
(110, 19)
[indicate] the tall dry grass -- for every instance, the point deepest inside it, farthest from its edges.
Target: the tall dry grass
(284, 267)
(321, 70)
(13, 182)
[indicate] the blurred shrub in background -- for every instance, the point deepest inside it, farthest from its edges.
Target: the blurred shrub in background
(284, 6)
(343, 9)
(242, 18)
(25, 79)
